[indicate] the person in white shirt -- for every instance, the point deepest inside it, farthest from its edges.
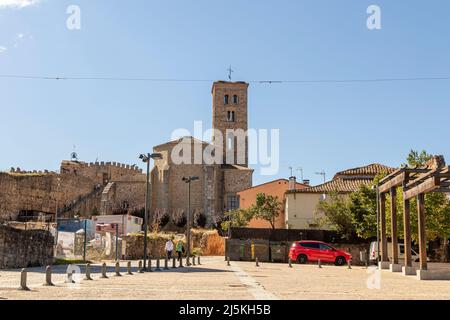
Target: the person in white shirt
(169, 248)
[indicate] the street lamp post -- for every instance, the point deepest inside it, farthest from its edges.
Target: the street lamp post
(146, 158)
(188, 180)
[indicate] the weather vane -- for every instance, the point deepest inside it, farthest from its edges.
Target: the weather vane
(230, 71)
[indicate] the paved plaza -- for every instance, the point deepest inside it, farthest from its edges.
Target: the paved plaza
(213, 279)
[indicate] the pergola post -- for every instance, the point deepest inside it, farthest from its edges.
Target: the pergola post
(422, 235)
(407, 230)
(394, 242)
(384, 244)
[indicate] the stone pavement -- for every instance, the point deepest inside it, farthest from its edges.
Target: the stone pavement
(215, 280)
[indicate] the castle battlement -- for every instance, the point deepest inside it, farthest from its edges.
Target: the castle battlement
(81, 167)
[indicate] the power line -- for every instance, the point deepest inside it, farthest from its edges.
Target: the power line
(306, 81)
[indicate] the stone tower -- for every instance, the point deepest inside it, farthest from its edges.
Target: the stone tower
(230, 119)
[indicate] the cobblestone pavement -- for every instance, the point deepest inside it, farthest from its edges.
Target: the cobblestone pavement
(215, 280)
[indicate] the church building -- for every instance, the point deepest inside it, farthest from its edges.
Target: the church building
(215, 192)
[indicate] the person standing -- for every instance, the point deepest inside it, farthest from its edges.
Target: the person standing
(169, 248)
(180, 249)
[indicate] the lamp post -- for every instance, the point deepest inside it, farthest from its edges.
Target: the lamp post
(375, 187)
(146, 159)
(188, 180)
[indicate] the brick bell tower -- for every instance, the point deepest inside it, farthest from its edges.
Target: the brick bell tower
(230, 118)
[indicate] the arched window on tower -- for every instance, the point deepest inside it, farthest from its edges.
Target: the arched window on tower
(230, 116)
(226, 99)
(235, 99)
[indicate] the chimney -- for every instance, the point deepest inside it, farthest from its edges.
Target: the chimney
(306, 182)
(292, 183)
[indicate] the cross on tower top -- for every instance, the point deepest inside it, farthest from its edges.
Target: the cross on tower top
(230, 71)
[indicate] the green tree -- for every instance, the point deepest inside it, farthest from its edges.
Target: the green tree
(236, 218)
(267, 208)
(337, 214)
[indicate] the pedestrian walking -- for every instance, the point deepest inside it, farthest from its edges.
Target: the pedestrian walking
(180, 249)
(169, 248)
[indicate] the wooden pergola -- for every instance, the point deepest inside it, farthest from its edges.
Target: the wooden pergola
(415, 182)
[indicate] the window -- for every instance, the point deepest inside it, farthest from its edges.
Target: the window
(226, 99)
(325, 247)
(230, 116)
(310, 245)
(235, 99)
(233, 202)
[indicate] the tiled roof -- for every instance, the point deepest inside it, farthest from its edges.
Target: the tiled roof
(344, 185)
(370, 170)
(349, 180)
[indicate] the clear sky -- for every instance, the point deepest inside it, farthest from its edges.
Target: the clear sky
(328, 127)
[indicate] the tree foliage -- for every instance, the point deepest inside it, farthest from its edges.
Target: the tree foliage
(236, 218)
(356, 214)
(267, 208)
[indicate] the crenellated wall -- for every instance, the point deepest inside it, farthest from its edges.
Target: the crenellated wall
(76, 190)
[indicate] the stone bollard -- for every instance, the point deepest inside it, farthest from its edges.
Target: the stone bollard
(140, 267)
(48, 277)
(181, 262)
(149, 265)
(88, 272)
(157, 265)
(174, 262)
(228, 261)
(198, 260)
(349, 264)
(166, 263)
(257, 261)
(193, 260)
(117, 269)
(129, 268)
(188, 263)
(290, 263)
(319, 264)
(23, 280)
(104, 276)
(70, 277)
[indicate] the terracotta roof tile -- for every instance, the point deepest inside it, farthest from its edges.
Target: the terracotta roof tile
(344, 185)
(370, 170)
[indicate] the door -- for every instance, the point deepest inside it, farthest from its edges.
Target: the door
(326, 253)
(312, 250)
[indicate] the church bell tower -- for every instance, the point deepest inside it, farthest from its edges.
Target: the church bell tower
(230, 119)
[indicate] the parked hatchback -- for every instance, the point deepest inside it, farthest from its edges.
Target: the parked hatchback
(304, 251)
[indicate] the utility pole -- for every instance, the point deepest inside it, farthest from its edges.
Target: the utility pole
(188, 180)
(146, 159)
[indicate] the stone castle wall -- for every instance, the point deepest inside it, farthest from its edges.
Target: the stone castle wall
(21, 249)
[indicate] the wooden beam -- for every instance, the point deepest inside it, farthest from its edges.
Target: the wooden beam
(394, 182)
(427, 185)
(407, 226)
(384, 245)
(394, 243)
(422, 233)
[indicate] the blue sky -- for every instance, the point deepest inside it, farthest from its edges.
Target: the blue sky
(327, 127)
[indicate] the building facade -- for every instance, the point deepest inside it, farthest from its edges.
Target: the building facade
(276, 188)
(221, 166)
(301, 205)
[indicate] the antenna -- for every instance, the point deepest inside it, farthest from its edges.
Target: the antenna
(323, 174)
(230, 71)
(300, 169)
(291, 169)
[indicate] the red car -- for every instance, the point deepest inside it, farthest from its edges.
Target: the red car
(304, 251)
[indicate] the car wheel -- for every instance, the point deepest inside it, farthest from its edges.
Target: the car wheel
(302, 259)
(340, 261)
